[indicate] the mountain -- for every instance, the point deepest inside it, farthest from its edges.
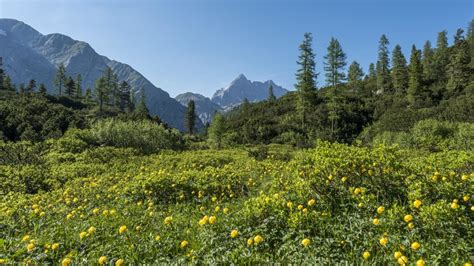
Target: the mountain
(205, 108)
(28, 54)
(242, 88)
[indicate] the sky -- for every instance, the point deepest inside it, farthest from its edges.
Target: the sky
(202, 45)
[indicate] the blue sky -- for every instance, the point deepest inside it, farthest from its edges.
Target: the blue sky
(202, 45)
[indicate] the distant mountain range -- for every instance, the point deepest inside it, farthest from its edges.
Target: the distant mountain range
(231, 96)
(28, 54)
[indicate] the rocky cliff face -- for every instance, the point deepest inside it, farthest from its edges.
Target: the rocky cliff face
(28, 54)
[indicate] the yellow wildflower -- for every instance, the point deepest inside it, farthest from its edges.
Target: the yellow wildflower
(234, 233)
(415, 245)
(102, 260)
(420, 262)
(119, 262)
(408, 218)
(366, 255)
(122, 229)
(258, 239)
(55, 246)
(212, 220)
(184, 244)
(380, 209)
(305, 242)
(376, 221)
(168, 220)
(82, 235)
(66, 262)
(311, 202)
(417, 203)
(383, 241)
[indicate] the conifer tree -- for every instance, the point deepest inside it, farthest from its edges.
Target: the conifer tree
(441, 57)
(7, 83)
(216, 130)
(31, 86)
(459, 71)
(190, 119)
(101, 92)
(399, 71)
(2, 75)
(415, 75)
(383, 65)
(42, 89)
(70, 87)
(124, 91)
(306, 79)
(428, 61)
(334, 64)
(271, 96)
(354, 75)
(88, 95)
(372, 72)
(78, 92)
(142, 109)
(60, 78)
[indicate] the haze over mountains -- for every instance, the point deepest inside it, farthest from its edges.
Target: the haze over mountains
(28, 54)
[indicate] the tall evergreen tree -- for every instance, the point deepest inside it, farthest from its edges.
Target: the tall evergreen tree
(190, 119)
(31, 86)
(60, 78)
(415, 74)
(383, 65)
(470, 30)
(7, 83)
(101, 92)
(306, 79)
(70, 87)
(111, 80)
(459, 36)
(88, 95)
(271, 95)
(21, 88)
(42, 89)
(399, 71)
(441, 57)
(428, 61)
(334, 64)
(459, 71)
(216, 130)
(78, 92)
(354, 75)
(141, 108)
(124, 91)
(372, 72)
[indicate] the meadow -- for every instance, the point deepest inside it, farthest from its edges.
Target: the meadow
(62, 203)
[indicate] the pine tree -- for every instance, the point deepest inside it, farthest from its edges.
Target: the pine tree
(399, 71)
(21, 88)
(42, 89)
(428, 61)
(383, 65)
(415, 76)
(101, 92)
(271, 96)
(441, 57)
(7, 83)
(141, 108)
(354, 75)
(216, 130)
(190, 119)
(60, 79)
(78, 92)
(31, 86)
(372, 72)
(334, 64)
(459, 36)
(459, 71)
(111, 80)
(470, 30)
(306, 79)
(124, 91)
(88, 95)
(70, 87)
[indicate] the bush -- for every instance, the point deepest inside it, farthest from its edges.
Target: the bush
(145, 136)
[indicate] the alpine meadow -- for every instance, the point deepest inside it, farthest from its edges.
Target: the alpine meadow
(344, 166)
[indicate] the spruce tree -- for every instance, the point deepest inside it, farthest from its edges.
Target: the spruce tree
(7, 83)
(372, 72)
(459, 71)
(306, 79)
(31, 86)
(271, 96)
(42, 89)
(88, 95)
(70, 87)
(354, 75)
(470, 30)
(428, 61)
(78, 92)
(334, 64)
(441, 57)
(190, 119)
(383, 65)
(60, 78)
(399, 71)
(216, 130)
(124, 96)
(415, 77)
(141, 110)
(101, 92)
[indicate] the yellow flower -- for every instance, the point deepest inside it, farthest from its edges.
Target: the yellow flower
(102, 260)
(454, 205)
(249, 242)
(119, 262)
(3, 261)
(217, 208)
(411, 225)
(415, 245)
(214, 199)
(397, 255)
(305, 210)
(344, 179)
(305, 242)
(69, 216)
(380, 209)
(472, 208)
(289, 204)
(408, 218)
(300, 207)
(357, 191)
(417, 203)
(25, 238)
(383, 241)
(66, 262)
(366, 255)
(157, 238)
(204, 220)
(212, 220)
(258, 239)
(168, 220)
(122, 229)
(91, 230)
(376, 221)
(226, 210)
(402, 260)
(184, 244)
(311, 202)
(467, 264)
(464, 177)
(466, 198)
(420, 262)
(234, 233)
(82, 235)
(30, 247)
(55, 246)
(95, 211)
